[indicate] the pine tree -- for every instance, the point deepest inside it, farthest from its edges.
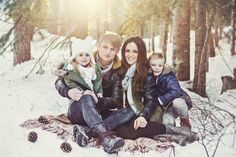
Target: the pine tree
(27, 15)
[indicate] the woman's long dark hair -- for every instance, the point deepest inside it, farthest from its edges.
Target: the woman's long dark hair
(141, 64)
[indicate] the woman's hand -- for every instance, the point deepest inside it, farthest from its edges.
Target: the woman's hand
(140, 122)
(89, 92)
(75, 94)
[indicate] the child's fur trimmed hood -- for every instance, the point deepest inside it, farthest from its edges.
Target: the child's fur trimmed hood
(167, 69)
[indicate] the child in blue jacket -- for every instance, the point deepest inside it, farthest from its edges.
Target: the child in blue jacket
(174, 100)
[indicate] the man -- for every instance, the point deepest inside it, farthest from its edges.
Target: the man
(85, 106)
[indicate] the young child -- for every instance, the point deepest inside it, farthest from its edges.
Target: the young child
(82, 72)
(169, 94)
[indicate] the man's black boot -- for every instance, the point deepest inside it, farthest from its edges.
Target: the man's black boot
(82, 134)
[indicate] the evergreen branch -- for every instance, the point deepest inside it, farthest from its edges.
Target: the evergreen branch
(4, 39)
(6, 47)
(42, 56)
(50, 47)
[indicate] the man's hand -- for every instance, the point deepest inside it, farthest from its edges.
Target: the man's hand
(59, 72)
(75, 94)
(140, 122)
(89, 92)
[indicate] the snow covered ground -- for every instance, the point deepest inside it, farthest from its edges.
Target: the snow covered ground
(21, 99)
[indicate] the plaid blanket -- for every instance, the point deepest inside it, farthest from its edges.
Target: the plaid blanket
(62, 126)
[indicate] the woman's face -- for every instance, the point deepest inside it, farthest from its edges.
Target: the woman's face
(131, 53)
(83, 58)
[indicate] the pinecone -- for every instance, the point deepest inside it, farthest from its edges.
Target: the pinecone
(43, 120)
(32, 136)
(66, 147)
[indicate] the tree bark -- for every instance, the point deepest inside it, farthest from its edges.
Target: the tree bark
(22, 45)
(211, 45)
(54, 17)
(171, 31)
(161, 33)
(216, 34)
(181, 40)
(227, 83)
(201, 84)
(200, 33)
(141, 30)
(210, 49)
(233, 27)
(164, 37)
(153, 41)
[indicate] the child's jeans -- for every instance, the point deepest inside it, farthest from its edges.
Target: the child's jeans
(178, 108)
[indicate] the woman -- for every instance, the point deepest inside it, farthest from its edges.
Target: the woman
(139, 91)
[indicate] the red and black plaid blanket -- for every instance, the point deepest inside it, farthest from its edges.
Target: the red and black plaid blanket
(62, 126)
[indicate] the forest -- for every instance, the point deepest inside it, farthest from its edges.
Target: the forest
(197, 37)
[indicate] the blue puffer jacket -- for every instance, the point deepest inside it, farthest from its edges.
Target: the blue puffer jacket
(168, 88)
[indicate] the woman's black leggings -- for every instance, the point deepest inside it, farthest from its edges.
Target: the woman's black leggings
(127, 130)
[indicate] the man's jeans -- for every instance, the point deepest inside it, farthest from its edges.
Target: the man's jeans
(84, 112)
(178, 108)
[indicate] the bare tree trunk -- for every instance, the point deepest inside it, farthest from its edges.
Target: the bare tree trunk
(210, 49)
(75, 18)
(106, 26)
(171, 32)
(23, 36)
(54, 17)
(220, 31)
(161, 34)
(200, 34)
(228, 82)
(153, 41)
(216, 34)
(164, 36)
(181, 40)
(164, 46)
(211, 46)
(69, 18)
(97, 28)
(201, 84)
(233, 27)
(149, 45)
(141, 30)
(117, 16)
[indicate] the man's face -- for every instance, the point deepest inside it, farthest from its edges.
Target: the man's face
(106, 51)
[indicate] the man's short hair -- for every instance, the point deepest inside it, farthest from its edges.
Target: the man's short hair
(112, 38)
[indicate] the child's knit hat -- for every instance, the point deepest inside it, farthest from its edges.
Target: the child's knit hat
(79, 46)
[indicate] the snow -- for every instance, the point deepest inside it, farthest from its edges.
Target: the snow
(23, 98)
